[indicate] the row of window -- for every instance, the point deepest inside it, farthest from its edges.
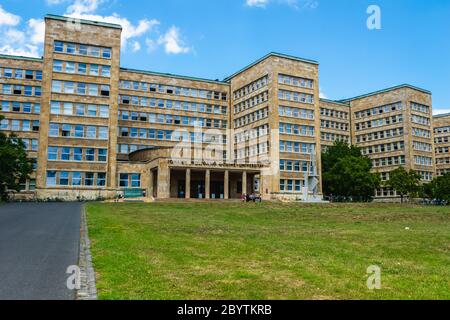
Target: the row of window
(440, 140)
(127, 180)
(389, 161)
(168, 135)
(442, 149)
(398, 106)
(379, 135)
(296, 147)
(75, 179)
(78, 131)
(426, 175)
(252, 151)
(10, 73)
(178, 91)
(172, 105)
(421, 120)
(82, 50)
(334, 113)
(443, 160)
(379, 122)
(296, 113)
(420, 107)
(421, 133)
(380, 148)
(31, 144)
(251, 117)
(295, 81)
(81, 68)
(77, 154)
(251, 134)
(295, 96)
(79, 109)
(172, 120)
(251, 102)
(80, 88)
(422, 146)
(252, 87)
(19, 125)
(21, 107)
(295, 166)
(440, 130)
(329, 136)
(423, 161)
(295, 129)
(28, 91)
(328, 124)
(441, 172)
(289, 185)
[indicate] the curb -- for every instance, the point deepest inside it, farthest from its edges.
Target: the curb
(88, 289)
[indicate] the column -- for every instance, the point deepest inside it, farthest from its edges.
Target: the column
(244, 182)
(188, 183)
(208, 184)
(226, 185)
(150, 184)
(163, 180)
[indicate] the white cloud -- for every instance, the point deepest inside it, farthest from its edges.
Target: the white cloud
(296, 4)
(36, 31)
(79, 7)
(172, 42)
(322, 95)
(257, 3)
(8, 19)
(136, 46)
(26, 50)
(440, 111)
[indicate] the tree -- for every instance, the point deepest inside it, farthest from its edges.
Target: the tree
(404, 182)
(439, 188)
(14, 163)
(347, 173)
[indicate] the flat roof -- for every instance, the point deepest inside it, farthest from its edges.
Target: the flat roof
(177, 76)
(387, 90)
(271, 54)
(11, 57)
(83, 21)
(444, 115)
(335, 102)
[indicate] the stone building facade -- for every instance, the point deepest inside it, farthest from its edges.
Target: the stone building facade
(441, 124)
(95, 129)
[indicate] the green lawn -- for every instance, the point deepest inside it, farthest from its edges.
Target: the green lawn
(269, 251)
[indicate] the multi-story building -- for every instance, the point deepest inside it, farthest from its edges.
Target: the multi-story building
(441, 124)
(95, 129)
(334, 122)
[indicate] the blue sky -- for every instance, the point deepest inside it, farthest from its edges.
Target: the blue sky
(214, 38)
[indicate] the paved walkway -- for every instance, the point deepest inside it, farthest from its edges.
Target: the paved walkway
(37, 244)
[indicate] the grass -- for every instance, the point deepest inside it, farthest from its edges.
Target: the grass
(269, 251)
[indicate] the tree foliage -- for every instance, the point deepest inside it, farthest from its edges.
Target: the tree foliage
(404, 182)
(14, 163)
(347, 173)
(439, 188)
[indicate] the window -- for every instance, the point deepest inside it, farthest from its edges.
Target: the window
(93, 90)
(78, 154)
(39, 75)
(104, 112)
(64, 178)
(106, 71)
(54, 107)
(81, 89)
(65, 154)
(135, 180)
(52, 153)
(101, 179)
(93, 70)
(83, 50)
(89, 179)
(91, 133)
(54, 130)
(105, 90)
(29, 75)
(71, 48)
(68, 109)
(106, 53)
(59, 46)
(70, 67)
(102, 155)
(92, 111)
(103, 133)
(82, 68)
(76, 179)
(123, 180)
(90, 155)
(56, 86)
(66, 130)
(7, 89)
(69, 87)
(51, 178)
